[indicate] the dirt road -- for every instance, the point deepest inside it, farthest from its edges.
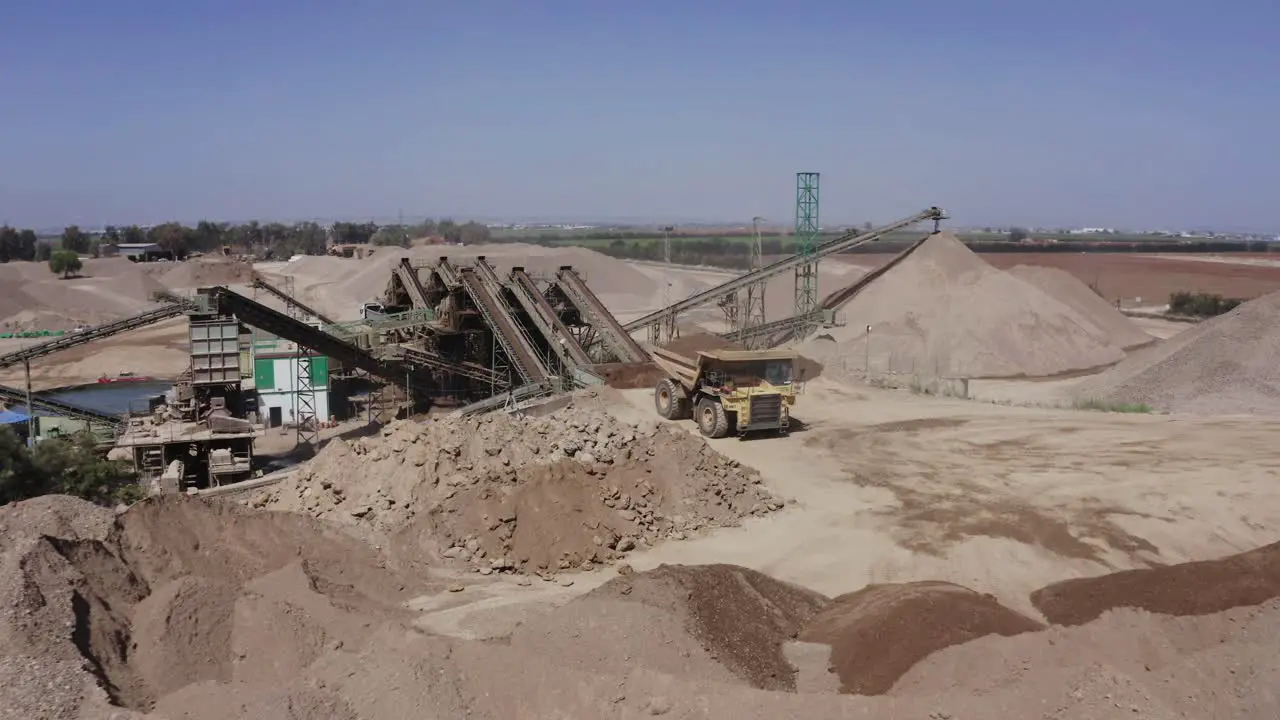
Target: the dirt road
(893, 487)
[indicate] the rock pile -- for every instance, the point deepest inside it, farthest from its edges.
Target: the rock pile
(569, 490)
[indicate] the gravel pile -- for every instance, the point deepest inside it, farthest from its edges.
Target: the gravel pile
(1222, 366)
(573, 489)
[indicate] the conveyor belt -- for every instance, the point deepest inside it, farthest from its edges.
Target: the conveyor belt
(14, 397)
(408, 276)
(94, 333)
(261, 283)
(616, 336)
(557, 335)
(847, 241)
(522, 355)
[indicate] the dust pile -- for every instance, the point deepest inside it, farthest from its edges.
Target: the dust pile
(1112, 325)
(572, 489)
(1221, 366)
(878, 633)
(944, 312)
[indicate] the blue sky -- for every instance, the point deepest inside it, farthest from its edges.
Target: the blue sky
(1129, 113)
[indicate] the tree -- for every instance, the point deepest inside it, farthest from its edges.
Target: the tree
(8, 243)
(27, 242)
(1017, 235)
(75, 240)
(63, 465)
(65, 262)
(473, 233)
(392, 235)
(354, 233)
(111, 235)
(44, 251)
(75, 468)
(133, 235)
(449, 230)
(171, 236)
(17, 479)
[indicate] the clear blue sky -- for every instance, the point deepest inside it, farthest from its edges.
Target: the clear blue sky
(1096, 112)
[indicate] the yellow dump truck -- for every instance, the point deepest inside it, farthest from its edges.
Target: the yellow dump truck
(727, 391)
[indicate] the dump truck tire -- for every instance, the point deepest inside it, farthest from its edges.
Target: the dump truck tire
(712, 420)
(666, 399)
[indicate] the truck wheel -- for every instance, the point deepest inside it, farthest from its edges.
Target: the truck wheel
(712, 421)
(666, 400)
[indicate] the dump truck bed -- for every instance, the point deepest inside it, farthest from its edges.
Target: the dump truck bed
(684, 368)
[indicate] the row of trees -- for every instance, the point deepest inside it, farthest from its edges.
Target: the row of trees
(1203, 305)
(264, 239)
(70, 466)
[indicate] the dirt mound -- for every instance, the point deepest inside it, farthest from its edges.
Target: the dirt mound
(32, 298)
(1225, 365)
(944, 312)
(154, 604)
(182, 632)
(206, 271)
(1193, 588)
(569, 489)
(1112, 325)
(878, 633)
(740, 616)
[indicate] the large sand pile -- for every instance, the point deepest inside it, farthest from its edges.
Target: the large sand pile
(1225, 365)
(204, 272)
(194, 609)
(32, 298)
(944, 312)
(568, 490)
(1112, 325)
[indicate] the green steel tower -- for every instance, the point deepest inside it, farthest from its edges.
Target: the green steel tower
(807, 230)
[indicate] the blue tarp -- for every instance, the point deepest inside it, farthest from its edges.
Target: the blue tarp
(9, 417)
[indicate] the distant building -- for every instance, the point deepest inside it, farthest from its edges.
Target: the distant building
(141, 252)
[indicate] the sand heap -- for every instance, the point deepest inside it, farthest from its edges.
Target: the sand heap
(944, 312)
(204, 272)
(188, 608)
(1225, 365)
(1112, 324)
(32, 298)
(572, 489)
(173, 592)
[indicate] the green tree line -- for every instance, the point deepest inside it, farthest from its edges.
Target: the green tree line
(268, 240)
(69, 466)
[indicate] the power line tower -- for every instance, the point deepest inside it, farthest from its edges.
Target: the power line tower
(807, 230)
(753, 307)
